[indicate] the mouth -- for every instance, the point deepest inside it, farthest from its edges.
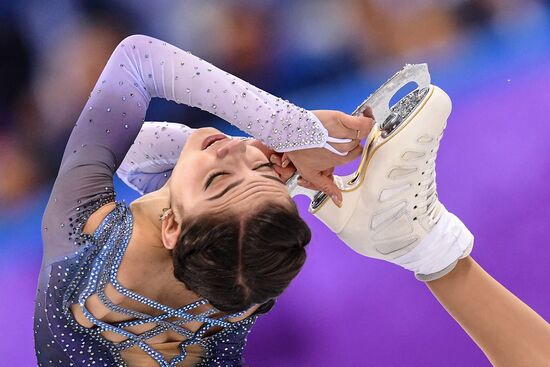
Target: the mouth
(211, 140)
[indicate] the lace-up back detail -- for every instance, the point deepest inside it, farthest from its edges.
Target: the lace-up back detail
(192, 329)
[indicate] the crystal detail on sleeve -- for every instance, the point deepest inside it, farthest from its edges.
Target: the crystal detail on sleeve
(186, 78)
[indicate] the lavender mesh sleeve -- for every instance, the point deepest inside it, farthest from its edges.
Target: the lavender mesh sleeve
(140, 68)
(150, 160)
(168, 72)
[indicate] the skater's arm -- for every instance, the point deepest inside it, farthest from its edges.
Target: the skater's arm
(139, 69)
(508, 331)
(150, 160)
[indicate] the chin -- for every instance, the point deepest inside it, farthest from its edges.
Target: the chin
(194, 140)
(207, 130)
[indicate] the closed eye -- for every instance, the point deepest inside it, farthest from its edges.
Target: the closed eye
(268, 164)
(212, 177)
(220, 173)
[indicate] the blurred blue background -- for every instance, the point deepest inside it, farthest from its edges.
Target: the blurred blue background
(492, 57)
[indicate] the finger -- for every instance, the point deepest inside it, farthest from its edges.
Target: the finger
(353, 154)
(357, 123)
(328, 171)
(368, 112)
(286, 176)
(275, 159)
(278, 170)
(284, 173)
(326, 185)
(307, 184)
(285, 160)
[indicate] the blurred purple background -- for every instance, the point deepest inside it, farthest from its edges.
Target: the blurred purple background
(492, 57)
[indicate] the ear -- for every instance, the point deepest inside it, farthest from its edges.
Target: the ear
(171, 230)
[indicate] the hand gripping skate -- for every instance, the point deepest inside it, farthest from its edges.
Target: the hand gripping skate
(390, 209)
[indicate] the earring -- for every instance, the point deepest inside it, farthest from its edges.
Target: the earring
(165, 213)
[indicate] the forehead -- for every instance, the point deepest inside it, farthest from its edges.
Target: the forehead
(247, 194)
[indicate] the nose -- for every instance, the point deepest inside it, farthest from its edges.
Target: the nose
(234, 146)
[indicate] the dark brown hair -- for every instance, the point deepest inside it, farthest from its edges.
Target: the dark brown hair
(235, 261)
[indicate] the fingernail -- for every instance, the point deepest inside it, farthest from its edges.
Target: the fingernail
(336, 200)
(285, 163)
(272, 158)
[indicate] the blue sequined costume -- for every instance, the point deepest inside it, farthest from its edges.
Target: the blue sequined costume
(76, 265)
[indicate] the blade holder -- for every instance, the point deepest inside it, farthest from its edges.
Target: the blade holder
(386, 119)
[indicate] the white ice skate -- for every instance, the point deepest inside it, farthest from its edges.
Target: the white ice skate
(391, 209)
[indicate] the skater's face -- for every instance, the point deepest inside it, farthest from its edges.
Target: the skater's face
(226, 174)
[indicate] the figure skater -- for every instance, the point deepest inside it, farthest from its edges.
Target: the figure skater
(117, 285)
(179, 277)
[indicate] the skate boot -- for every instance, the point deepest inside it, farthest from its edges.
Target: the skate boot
(390, 209)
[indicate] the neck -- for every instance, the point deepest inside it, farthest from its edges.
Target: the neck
(149, 268)
(147, 211)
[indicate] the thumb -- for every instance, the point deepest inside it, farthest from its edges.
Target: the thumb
(368, 112)
(356, 152)
(362, 124)
(285, 160)
(327, 185)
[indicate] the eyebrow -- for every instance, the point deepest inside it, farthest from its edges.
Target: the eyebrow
(229, 187)
(225, 173)
(232, 185)
(274, 179)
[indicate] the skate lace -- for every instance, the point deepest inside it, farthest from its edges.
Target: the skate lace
(427, 186)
